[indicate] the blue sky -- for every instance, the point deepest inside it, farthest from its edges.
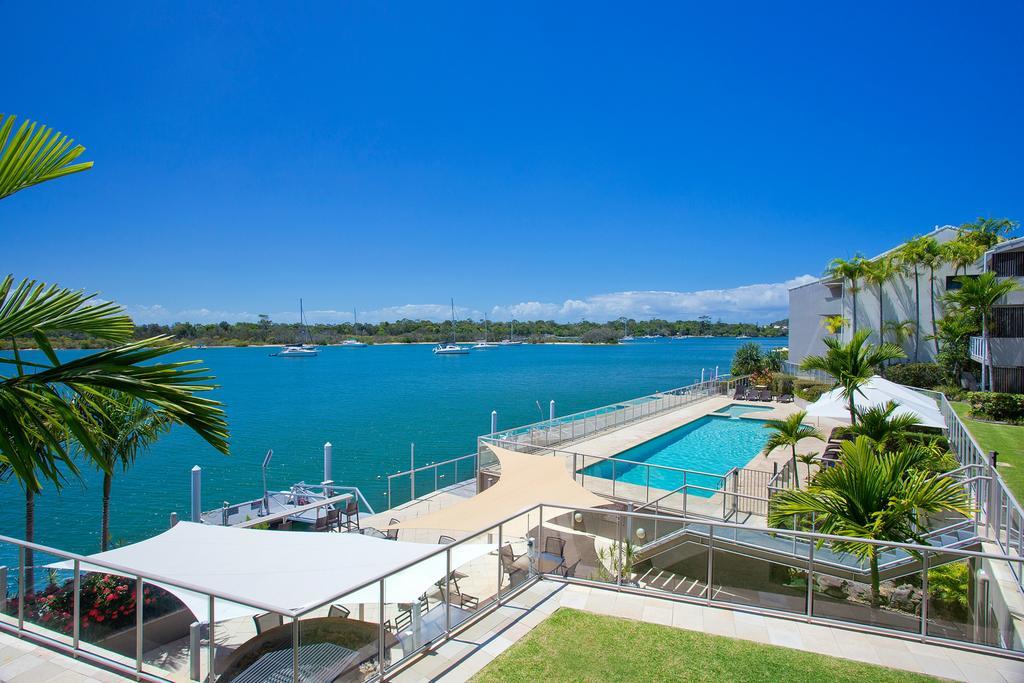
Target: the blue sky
(584, 160)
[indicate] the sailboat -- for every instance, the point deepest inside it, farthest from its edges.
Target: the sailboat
(451, 348)
(625, 334)
(511, 341)
(301, 349)
(353, 343)
(484, 344)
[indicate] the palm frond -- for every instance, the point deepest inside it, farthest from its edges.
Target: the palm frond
(34, 154)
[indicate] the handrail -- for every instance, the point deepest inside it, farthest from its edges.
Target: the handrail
(292, 511)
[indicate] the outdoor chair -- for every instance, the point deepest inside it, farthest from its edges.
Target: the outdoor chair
(267, 621)
(786, 398)
(570, 570)
(403, 619)
(321, 524)
(445, 540)
(351, 520)
(334, 519)
(739, 394)
(766, 395)
(339, 611)
(392, 534)
(467, 601)
(553, 545)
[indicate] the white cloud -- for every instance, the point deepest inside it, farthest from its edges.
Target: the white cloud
(758, 302)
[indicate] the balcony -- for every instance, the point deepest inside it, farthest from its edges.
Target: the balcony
(1007, 352)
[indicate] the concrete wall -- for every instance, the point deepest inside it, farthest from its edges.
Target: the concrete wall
(809, 305)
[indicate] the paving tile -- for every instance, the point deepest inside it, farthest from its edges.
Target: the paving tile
(41, 672)
(785, 637)
(719, 622)
(20, 665)
(688, 616)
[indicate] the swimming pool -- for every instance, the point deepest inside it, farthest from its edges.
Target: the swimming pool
(737, 409)
(713, 444)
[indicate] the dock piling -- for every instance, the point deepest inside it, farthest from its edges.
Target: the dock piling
(197, 493)
(551, 410)
(494, 421)
(328, 460)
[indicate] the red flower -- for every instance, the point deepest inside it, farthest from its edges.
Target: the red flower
(111, 597)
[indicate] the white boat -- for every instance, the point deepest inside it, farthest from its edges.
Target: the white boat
(483, 344)
(511, 341)
(451, 348)
(626, 336)
(303, 349)
(353, 343)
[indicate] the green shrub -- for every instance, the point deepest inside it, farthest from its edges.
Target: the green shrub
(782, 384)
(994, 406)
(809, 389)
(952, 392)
(947, 588)
(921, 375)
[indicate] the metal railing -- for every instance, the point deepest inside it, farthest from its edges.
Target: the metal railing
(438, 475)
(548, 433)
(998, 509)
(794, 369)
(802, 586)
(977, 349)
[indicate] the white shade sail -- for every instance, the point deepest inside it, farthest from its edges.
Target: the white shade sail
(878, 391)
(280, 569)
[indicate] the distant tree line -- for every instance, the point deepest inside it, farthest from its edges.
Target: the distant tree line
(412, 331)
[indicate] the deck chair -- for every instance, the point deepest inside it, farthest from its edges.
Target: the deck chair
(392, 534)
(339, 611)
(265, 622)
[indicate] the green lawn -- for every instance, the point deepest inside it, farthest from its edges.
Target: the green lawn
(580, 646)
(1007, 440)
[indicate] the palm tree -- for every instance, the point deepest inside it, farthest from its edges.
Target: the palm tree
(128, 426)
(933, 256)
(961, 253)
(809, 459)
(883, 428)
(979, 296)
(988, 232)
(912, 255)
(34, 154)
(954, 330)
(852, 364)
(789, 432)
(899, 331)
(850, 271)
(872, 495)
(878, 273)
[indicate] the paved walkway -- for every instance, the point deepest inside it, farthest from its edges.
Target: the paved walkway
(20, 661)
(474, 648)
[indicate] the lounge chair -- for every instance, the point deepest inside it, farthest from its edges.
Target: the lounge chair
(266, 621)
(786, 398)
(766, 395)
(338, 611)
(739, 393)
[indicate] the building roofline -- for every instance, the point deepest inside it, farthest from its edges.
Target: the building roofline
(828, 278)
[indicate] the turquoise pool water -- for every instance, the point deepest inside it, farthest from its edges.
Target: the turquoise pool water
(737, 409)
(712, 444)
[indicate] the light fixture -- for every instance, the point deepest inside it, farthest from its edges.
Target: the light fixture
(641, 534)
(578, 517)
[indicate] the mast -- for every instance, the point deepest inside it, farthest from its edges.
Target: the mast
(302, 324)
(453, 320)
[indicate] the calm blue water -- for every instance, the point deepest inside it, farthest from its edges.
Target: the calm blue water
(371, 403)
(737, 409)
(710, 444)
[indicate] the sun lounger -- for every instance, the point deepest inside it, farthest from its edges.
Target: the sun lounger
(786, 398)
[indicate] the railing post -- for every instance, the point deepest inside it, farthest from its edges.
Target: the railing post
(448, 591)
(412, 471)
(381, 634)
(711, 559)
(21, 588)
(810, 579)
(613, 477)
(617, 560)
(211, 653)
(76, 604)
(3, 588)
(924, 595)
(501, 569)
(195, 654)
(139, 607)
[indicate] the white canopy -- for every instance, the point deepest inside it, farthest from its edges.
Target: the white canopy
(281, 570)
(878, 391)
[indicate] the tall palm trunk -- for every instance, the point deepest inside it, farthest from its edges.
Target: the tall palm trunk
(881, 312)
(917, 314)
(853, 409)
(931, 292)
(30, 535)
(796, 470)
(854, 307)
(105, 523)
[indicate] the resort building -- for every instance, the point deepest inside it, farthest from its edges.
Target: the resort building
(1006, 342)
(813, 304)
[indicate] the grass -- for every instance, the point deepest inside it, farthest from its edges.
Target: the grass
(579, 646)
(1007, 440)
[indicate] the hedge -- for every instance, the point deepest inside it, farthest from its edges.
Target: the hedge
(995, 406)
(921, 375)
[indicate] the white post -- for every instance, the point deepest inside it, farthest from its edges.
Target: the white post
(328, 456)
(551, 410)
(716, 372)
(702, 375)
(412, 475)
(197, 493)
(494, 421)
